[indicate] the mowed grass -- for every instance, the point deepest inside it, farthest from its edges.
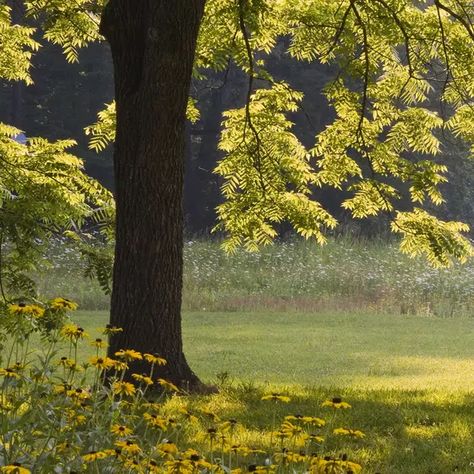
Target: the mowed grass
(326, 349)
(410, 380)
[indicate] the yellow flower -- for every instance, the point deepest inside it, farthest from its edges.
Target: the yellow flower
(118, 365)
(179, 466)
(121, 430)
(188, 415)
(129, 354)
(109, 329)
(14, 468)
(154, 359)
(99, 343)
(314, 437)
(171, 387)
(9, 373)
(167, 449)
(336, 403)
(63, 303)
(123, 388)
(128, 447)
(95, 455)
(277, 397)
(22, 308)
(73, 332)
(103, 363)
(349, 432)
(156, 421)
(143, 378)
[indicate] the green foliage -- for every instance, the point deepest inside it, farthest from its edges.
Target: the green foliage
(43, 191)
(16, 48)
(395, 59)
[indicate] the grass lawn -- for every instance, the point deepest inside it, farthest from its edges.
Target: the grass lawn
(410, 380)
(342, 350)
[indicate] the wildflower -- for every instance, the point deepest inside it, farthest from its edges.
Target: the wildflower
(22, 308)
(73, 332)
(314, 437)
(143, 378)
(95, 455)
(179, 466)
(259, 469)
(118, 365)
(210, 415)
(128, 354)
(109, 330)
(167, 449)
(63, 303)
(286, 456)
(154, 359)
(313, 420)
(277, 397)
(228, 425)
(123, 388)
(349, 432)
(9, 373)
(99, 343)
(128, 447)
(121, 430)
(14, 468)
(171, 387)
(102, 363)
(156, 421)
(188, 415)
(336, 403)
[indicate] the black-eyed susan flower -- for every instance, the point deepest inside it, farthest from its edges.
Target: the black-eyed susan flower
(167, 448)
(119, 365)
(28, 309)
(129, 355)
(95, 455)
(277, 397)
(211, 415)
(121, 430)
(102, 363)
(179, 466)
(336, 403)
(128, 447)
(188, 415)
(123, 388)
(99, 343)
(313, 421)
(62, 303)
(315, 438)
(349, 432)
(169, 386)
(15, 468)
(154, 359)
(156, 421)
(109, 330)
(73, 332)
(9, 373)
(143, 379)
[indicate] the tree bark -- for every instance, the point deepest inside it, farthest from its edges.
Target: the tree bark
(153, 44)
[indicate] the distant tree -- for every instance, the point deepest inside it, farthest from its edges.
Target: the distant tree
(394, 59)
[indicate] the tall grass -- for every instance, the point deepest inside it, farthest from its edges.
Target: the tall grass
(345, 274)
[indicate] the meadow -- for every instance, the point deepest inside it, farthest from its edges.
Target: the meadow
(351, 321)
(295, 275)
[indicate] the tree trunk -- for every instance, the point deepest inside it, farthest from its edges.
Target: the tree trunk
(153, 44)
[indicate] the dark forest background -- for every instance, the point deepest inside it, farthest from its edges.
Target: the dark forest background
(65, 98)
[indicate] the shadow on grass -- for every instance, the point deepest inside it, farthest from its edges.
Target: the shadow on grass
(407, 432)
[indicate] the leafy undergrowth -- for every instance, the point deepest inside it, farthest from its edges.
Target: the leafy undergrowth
(57, 416)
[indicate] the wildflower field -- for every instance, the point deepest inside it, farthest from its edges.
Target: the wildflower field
(311, 378)
(345, 274)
